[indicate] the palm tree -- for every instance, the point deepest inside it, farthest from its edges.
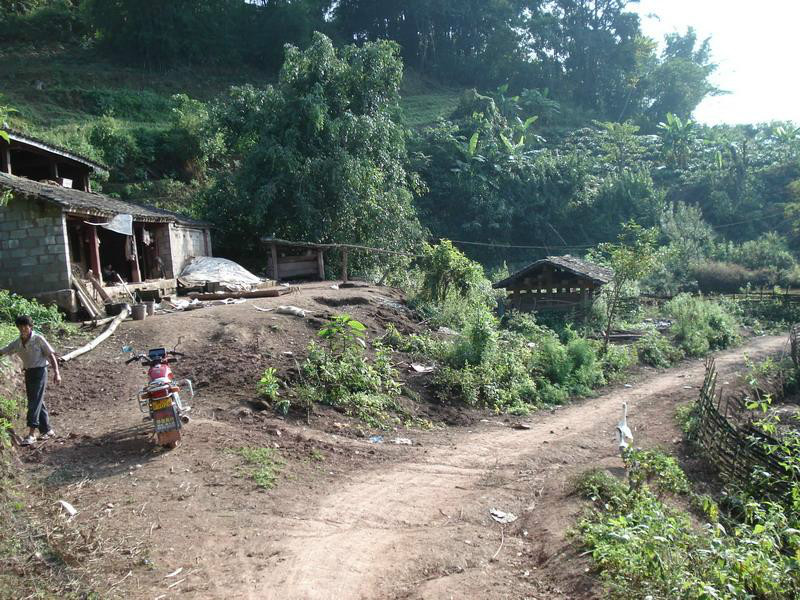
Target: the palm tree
(676, 139)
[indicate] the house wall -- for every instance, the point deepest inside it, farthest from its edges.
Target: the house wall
(186, 243)
(33, 251)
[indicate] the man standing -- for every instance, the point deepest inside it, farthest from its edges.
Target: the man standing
(35, 352)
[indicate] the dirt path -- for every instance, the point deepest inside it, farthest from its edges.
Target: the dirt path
(420, 528)
(349, 519)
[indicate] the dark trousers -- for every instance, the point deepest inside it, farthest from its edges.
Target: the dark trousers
(35, 384)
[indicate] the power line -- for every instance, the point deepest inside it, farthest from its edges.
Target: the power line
(583, 246)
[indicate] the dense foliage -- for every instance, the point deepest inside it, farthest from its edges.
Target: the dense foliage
(12, 306)
(317, 156)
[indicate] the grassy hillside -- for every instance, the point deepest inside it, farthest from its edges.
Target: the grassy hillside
(61, 91)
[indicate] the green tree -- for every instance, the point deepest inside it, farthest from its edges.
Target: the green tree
(676, 140)
(679, 80)
(631, 258)
(317, 157)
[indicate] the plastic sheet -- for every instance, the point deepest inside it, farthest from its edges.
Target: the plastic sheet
(209, 269)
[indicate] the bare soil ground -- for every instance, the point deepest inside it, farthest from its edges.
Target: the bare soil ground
(348, 518)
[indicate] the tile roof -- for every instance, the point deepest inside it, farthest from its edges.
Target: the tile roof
(576, 266)
(87, 203)
(24, 138)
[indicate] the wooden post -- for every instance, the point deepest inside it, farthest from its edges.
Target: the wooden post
(274, 252)
(86, 183)
(136, 273)
(5, 159)
(344, 264)
(94, 250)
(54, 170)
(321, 264)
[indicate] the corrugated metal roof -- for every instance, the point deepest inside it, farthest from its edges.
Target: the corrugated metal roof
(24, 138)
(571, 264)
(87, 203)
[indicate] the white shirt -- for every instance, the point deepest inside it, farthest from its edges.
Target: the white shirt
(34, 352)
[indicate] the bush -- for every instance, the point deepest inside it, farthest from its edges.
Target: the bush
(350, 382)
(44, 317)
(701, 325)
(657, 350)
(55, 21)
(645, 548)
(9, 410)
(721, 277)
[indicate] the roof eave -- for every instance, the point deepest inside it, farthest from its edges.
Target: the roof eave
(41, 145)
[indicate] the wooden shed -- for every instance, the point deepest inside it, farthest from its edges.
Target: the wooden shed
(555, 283)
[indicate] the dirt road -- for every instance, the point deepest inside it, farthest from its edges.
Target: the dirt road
(421, 528)
(365, 521)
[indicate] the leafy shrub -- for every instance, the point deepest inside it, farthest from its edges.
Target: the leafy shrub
(478, 344)
(46, 317)
(616, 360)
(645, 466)
(352, 383)
(424, 346)
(657, 350)
(9, 410)
(644, 548)
(721, 277)
(688, 418)
(701, 325)
(453, 287)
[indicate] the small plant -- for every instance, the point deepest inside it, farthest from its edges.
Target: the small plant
(656, 467)
(341, 333)
(269, 384)
(9, 410)
(264, 463)
(657, 351)
(688, 418)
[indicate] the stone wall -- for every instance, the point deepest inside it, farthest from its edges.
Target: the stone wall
(33, 248)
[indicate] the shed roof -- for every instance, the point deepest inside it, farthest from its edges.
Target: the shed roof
(28, 140)
(571, 264)
(87, 203)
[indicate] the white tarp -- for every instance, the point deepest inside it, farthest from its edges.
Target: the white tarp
(209, 269)
(119, 224)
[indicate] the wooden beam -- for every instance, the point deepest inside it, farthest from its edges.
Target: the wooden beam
(94, 251)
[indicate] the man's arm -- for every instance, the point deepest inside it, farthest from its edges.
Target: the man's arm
(54, 363)
(9, 348)
(51, 356)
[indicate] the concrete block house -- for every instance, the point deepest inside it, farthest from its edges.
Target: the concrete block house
(56, 234)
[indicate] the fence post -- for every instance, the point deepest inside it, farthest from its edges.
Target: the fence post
(274, 252)
(344, 264)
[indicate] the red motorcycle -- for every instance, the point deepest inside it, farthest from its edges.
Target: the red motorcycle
(161, 398)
